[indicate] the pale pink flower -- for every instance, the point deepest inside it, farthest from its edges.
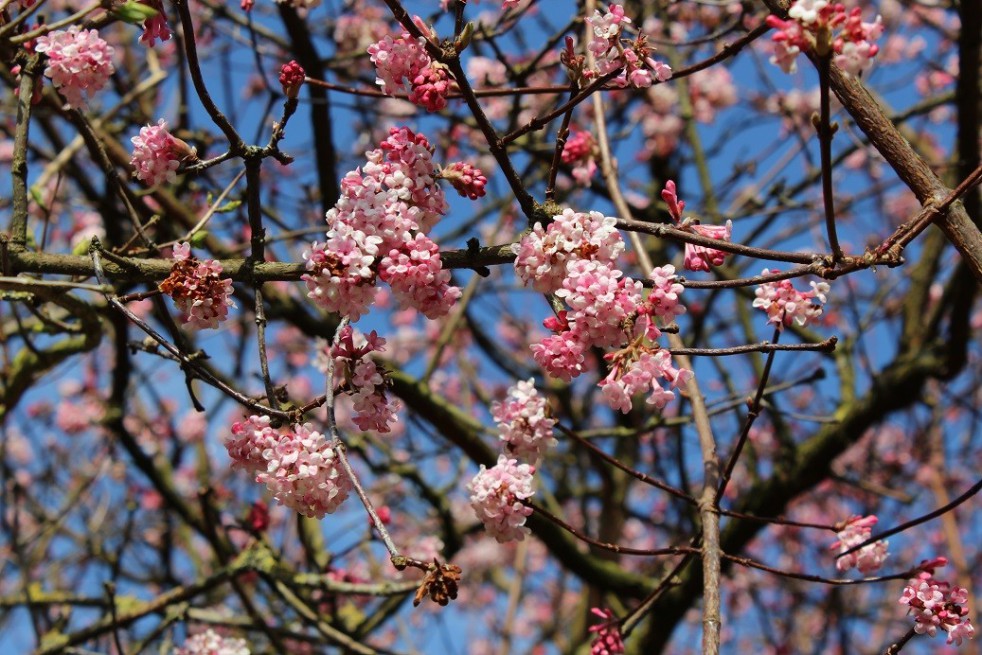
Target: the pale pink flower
(698, 258)
(935, 604)
(211, 643)
(497, 494)
(544, 253)
(663, 300)
(524, 422)
(602, 301)
(358, 375)
(867, 559)
(638, 369)
(785, 305)
(398, 62)
(430, 88)
(156, 155)
(198, 289)
(78, 62)
(810, 20)
(418, 279)
(579, 153)
(298, 466)
(607, 640)
(560, 355)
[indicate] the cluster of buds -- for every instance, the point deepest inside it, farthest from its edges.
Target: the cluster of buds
(292, 77)
(812, 28)
(607, 639)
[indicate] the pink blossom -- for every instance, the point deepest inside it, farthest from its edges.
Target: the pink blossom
(363, 379)
(608, 640)
(578, 153)
(637, 369)
(602, 302)
(524, 422)
(156, 155)
(78, 63)
(784, 304)
(211, 643)
(813, 22)
(612, 53)
(198, 289)
(698, 258)
(935, 604)
(417, 277)
(155, 27)
(497, 494)
(560, 355)
(663, 302)
(467, 179)
(297, 466)
(398, 62)
(544, 253)
(867, 559)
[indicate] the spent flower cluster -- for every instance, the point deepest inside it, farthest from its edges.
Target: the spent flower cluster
(853, 532)
(812, 27)
(198, 290)
(377, 231)
(298, 465)
(79, 63)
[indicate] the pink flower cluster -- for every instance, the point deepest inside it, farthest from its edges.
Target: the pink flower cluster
(198, 289)
(211, 643)
(157, 154)
(612, 53)
(403, 66)
(853, 532)
(364, 379)
(608, 640)
(497, 494)
(524, 422)
(466, 178)
(697, 257)
(785, 305)
(297, 466)
(79, 62)
(574, 258)
(376, 230)
(578, 153)
(936, 604)
(812, 21)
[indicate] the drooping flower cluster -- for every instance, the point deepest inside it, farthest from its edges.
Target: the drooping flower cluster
(785, 305)
(157, 154)
(79, 62)
(697, 257)
(298, 466)
(574, 258)
(936, 604)
(363, 379)
(612, 52)
(403, 66)
(524, 421)
(376, 230)
(211, 643)
(497, 494)
(198, 289)
(155, 27)
(608, 640)
(467, 179)
(578, 152)
(812, 27)
(853, 532)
